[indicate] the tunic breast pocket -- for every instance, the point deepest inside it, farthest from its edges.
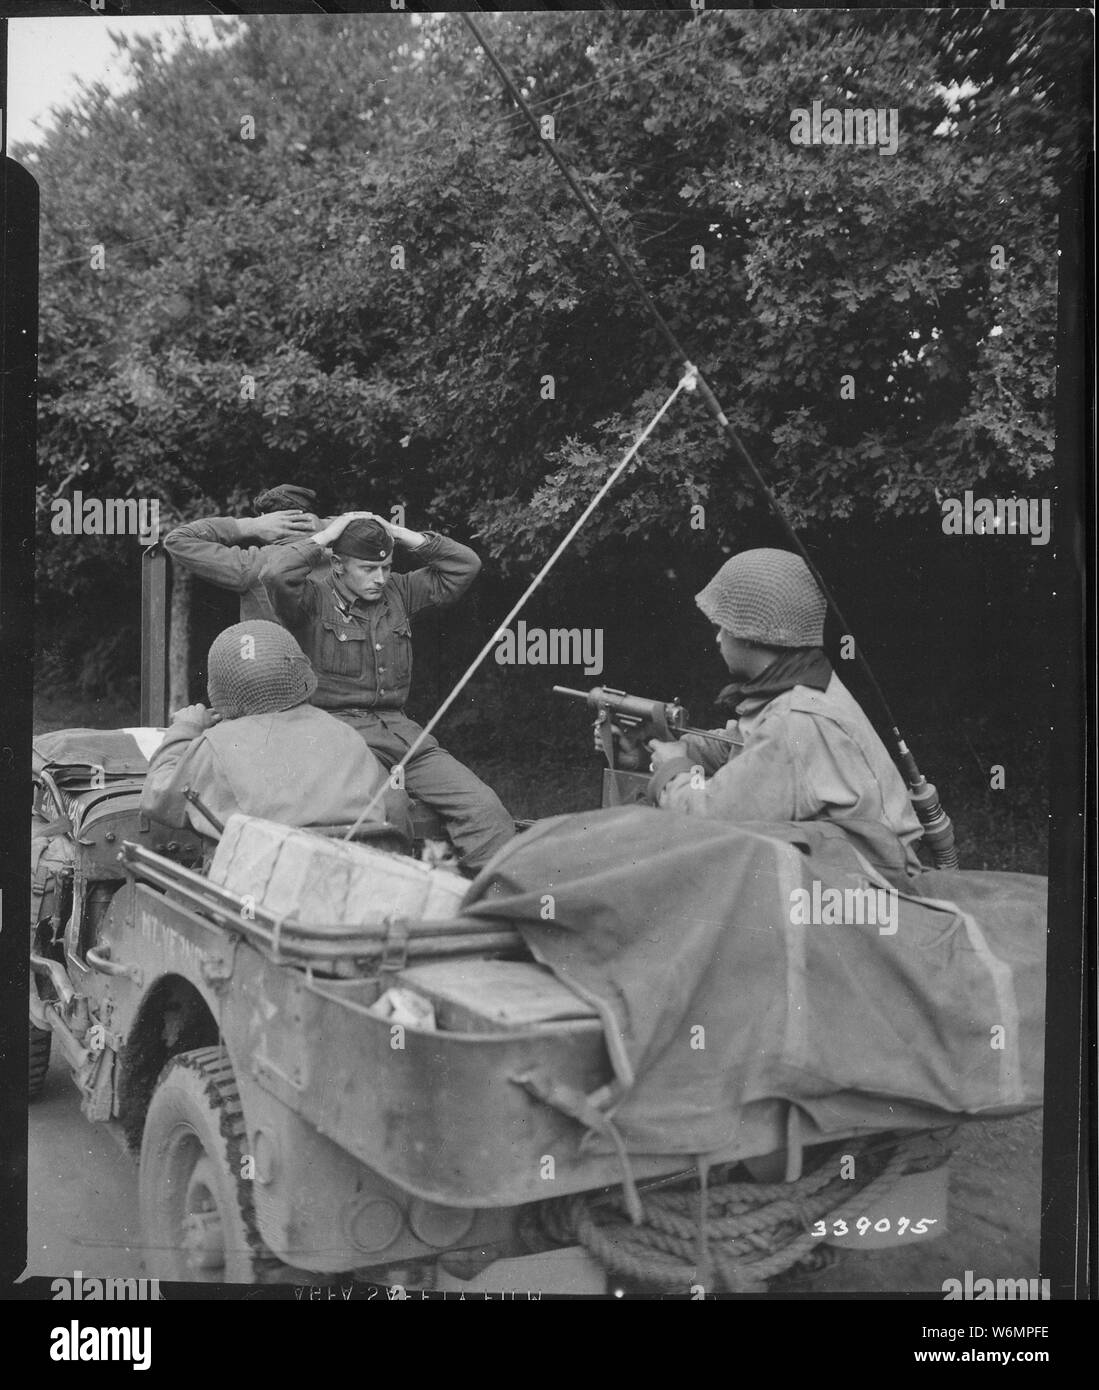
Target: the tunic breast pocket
(402, 654)
(343, 649)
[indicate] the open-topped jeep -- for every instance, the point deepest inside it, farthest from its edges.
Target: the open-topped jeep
(332, 1056)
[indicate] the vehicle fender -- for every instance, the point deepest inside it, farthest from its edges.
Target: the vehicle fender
(320, 1209)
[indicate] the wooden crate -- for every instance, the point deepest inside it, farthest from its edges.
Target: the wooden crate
(493, 996)
(318, 881)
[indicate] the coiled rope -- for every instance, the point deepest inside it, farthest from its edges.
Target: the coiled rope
(745, 1233)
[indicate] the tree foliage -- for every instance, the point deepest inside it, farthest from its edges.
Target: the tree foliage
(277, 258)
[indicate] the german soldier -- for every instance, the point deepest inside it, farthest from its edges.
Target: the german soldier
(353, 620)
(230, 552)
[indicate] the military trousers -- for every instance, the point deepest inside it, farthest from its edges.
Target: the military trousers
(475, 817)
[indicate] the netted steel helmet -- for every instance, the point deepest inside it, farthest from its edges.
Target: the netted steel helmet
(257, 668)
(766, 596)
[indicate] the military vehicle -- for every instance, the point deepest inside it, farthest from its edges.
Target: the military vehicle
(319, 1084)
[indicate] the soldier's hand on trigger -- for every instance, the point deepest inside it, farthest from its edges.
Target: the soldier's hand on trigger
(196, 714)
(629, 752)
(278, 526)
(664, 752)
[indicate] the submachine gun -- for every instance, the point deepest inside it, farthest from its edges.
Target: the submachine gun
(938, 830)
(640, 719)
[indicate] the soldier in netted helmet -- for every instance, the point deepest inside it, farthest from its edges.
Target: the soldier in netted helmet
(260, 748)
(804, 748)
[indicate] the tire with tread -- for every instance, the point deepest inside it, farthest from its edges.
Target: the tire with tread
(197, 1212)
(38, 1064)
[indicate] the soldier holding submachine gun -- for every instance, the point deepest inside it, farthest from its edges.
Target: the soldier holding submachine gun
(800, 747)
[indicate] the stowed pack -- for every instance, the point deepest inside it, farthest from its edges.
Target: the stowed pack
(78, 759)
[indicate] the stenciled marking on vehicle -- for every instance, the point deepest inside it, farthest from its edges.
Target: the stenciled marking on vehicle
(158, 932)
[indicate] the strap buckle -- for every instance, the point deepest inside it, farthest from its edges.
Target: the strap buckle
(395, 947)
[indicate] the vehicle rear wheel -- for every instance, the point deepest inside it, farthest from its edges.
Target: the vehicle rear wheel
(39, 1060)
(197, 1213)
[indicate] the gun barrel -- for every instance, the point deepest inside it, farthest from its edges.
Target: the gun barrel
(730, 739)
(200, 805)
(633, 708)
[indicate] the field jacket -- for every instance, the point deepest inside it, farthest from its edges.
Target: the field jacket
(803, 755)
(299, 767)
(362, 652)
(216, 550)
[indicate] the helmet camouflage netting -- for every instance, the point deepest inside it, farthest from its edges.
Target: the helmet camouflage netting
(766, 596)
(257, 668)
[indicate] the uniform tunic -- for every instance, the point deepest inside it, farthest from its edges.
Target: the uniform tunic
(218, 551)
(362, 652)
(362, 655)
(298, 767)
(805, 755)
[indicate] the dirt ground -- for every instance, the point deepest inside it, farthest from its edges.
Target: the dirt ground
(81, 1190)
(993, 1214)
(82, 1208)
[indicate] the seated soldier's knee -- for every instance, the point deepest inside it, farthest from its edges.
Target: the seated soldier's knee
(397, 805)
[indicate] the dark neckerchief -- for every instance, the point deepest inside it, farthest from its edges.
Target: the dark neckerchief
(801, 666)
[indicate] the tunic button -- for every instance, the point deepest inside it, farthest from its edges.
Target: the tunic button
(377, 646)
(342, 636)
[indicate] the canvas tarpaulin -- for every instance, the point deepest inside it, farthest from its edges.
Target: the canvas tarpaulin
(75, 756)
(715, 994)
